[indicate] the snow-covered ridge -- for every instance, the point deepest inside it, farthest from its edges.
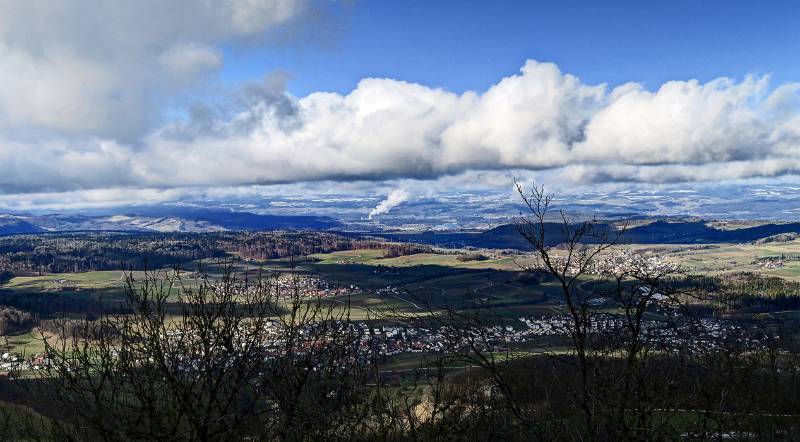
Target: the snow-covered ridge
(179, 220)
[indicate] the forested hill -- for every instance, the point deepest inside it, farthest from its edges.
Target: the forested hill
(11, 226)
(658, 232)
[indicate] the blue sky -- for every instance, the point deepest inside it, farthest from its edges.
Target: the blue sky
(461, 45)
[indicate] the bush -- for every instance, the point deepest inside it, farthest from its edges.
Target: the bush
(472, 257)
(5, 276)
(13, 320)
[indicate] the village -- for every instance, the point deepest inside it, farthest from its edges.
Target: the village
(526, 333)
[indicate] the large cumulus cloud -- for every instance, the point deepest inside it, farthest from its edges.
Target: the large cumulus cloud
(538, 119)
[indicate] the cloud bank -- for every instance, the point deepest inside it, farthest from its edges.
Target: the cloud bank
(105, 69)
(85, 85)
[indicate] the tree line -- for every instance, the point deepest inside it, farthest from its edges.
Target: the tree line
(32, 255)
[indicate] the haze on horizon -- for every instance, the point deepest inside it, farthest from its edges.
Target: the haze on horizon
(106, 104)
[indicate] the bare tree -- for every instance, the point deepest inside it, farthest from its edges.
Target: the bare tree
(209, 360)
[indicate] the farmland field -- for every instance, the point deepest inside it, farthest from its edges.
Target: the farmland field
(414, 282)
(24, 343)
(726, 258)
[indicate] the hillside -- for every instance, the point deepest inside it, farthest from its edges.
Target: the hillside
(12, 225)
(658, 232)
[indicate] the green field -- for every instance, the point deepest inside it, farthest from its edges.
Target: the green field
(727, 258)
(375, 257)
(25, 343)
(108, 285)
(61, 281)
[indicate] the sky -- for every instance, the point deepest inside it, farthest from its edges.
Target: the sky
(108, 103)
(464, 46)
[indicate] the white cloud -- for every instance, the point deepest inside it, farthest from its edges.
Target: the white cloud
(540, 119)
(104, 68)
(530, 120)
(677, 173)
(81, 83)
(387, 128)
(187, 60)
(58, 91)
(251, 16)
(682, 122)
(56, 165)
(90, 199)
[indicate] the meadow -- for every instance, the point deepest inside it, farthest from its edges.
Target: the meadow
(719, 259)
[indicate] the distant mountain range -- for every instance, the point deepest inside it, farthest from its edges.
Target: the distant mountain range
(161, 220)
(657, 232)
(192, 219)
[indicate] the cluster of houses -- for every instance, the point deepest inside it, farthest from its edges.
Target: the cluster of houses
(311, 287)
(12, 362)
(290, 287)
(774, 262)
(700, 335)
(613, 263)
(619, 262)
